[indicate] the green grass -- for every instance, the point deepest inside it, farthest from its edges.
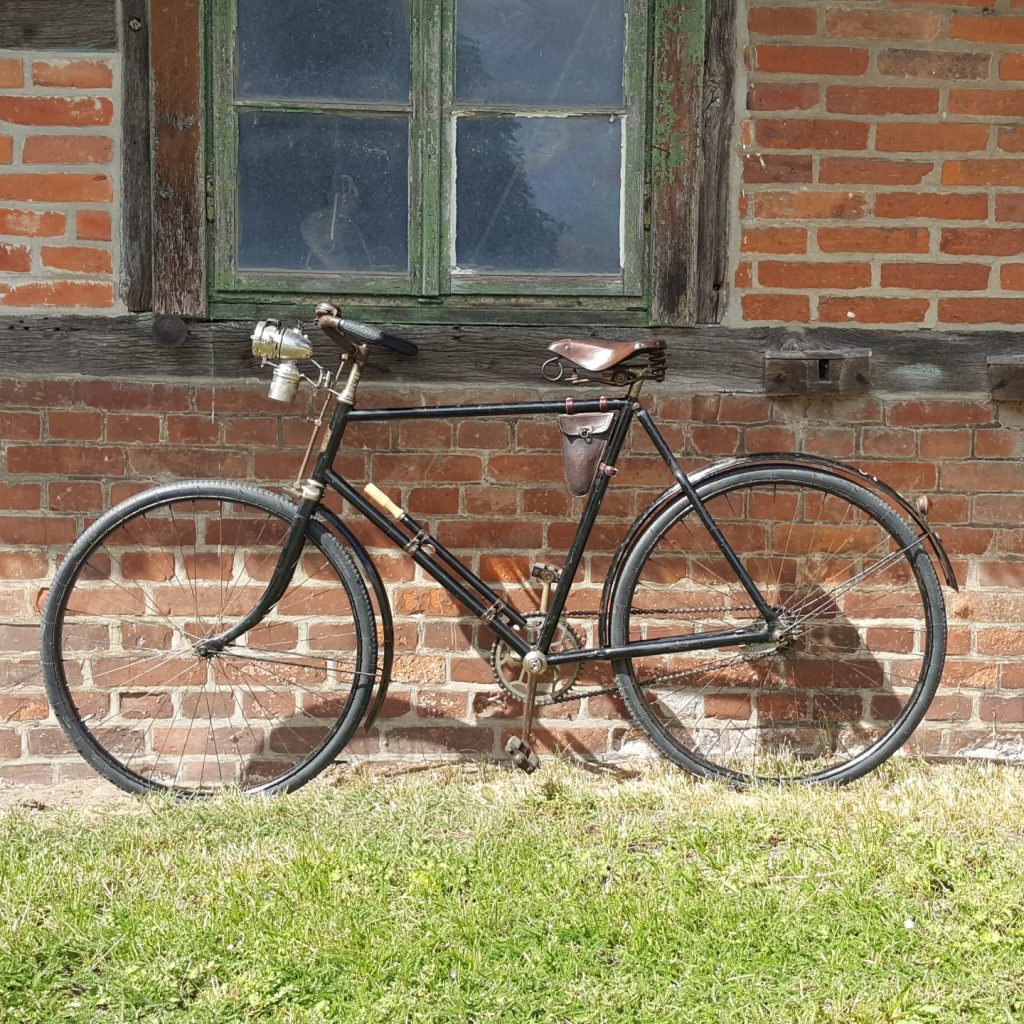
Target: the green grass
(479, 895)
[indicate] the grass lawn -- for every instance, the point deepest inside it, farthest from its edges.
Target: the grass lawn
(476, 895)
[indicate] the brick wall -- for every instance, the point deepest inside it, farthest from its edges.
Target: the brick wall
(71, 447)
(882, 164)
(58, 144)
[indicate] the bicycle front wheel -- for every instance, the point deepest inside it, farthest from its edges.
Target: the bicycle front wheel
(153, 577)
(858, 647)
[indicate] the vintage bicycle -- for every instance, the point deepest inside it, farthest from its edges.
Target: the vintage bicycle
(771, 617)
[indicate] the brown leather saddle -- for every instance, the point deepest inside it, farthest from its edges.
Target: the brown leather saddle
(597, 356)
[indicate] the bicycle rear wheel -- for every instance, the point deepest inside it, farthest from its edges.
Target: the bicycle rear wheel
(166, 569)
(857, 654)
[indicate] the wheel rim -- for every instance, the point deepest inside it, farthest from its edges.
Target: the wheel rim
(842, 681)
(153, 712)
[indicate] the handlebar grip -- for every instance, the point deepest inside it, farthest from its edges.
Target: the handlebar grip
(407, 348)
(364, 332)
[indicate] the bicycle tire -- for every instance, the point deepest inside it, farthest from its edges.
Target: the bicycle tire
(852, 670)
(163, 570)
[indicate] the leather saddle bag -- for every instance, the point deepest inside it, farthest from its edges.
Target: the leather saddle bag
(584, 436)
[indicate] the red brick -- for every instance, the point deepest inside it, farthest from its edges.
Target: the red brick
(996, 443)
(983, 172)
(65, 460)
(812, 133)
(1011, 277)
(811, 60)
(983, 28)
(945, 444)
(807, 205)
(866, 171)
(490, 434)
(74, 425)
(783, 21)
(60, 293)
(873, 239)
(1011, 138)
(12, 75)
(938, 414)
(188, 462)
(55, 110)
(933, 205)
(68, 149)
(774, 240)
(19, 497)
(983, 241)
(22, 426)
(124, 397)
(871, 310)
(861, 99)
(14, 258)
(76, 496)
(80, 259)
(744, 275)
(6, 149)
(987, 102)
(434, 501)
(93, 225)
(74, 74)
(416, 468)
(133, 429)
(781, 274)
(889, 25)
(40, 532)
(1011, 67)
(915, 137)
(772, 168)
(981, 311)
(936, 276)
(782, 96)
(776, 307)
(937, 64)
(29, 222)
(56, 188)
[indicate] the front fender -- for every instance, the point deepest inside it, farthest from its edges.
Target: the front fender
(792, 460)
(372, 577)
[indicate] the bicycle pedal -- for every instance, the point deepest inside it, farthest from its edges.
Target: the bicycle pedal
(546, 573)
(522, 756)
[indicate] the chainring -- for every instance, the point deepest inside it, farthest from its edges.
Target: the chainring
(555, 681)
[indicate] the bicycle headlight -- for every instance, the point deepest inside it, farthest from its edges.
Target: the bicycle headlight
(271, 341)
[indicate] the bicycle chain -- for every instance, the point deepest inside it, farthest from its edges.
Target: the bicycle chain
(570, 695)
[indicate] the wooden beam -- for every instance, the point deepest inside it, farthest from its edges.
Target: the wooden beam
(179, 194)
(678, 65)
(58, 25)
(136, 193)
(700, 359)
(720, 52)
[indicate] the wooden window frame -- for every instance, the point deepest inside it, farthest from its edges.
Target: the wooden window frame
(684, 212)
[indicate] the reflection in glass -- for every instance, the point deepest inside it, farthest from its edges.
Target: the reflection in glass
(538, 194)
(541, 52)
(324, 49)
(318, 191)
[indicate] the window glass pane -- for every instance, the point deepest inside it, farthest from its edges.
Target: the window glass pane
(538, 194)
(540, 52)
(324, 49)
(319, 191)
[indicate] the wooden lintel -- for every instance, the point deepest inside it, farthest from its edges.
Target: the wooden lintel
(58, 25)
(700, 359)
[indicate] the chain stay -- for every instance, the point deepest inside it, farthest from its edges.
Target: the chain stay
(572, 694)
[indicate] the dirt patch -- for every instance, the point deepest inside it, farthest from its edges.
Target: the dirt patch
(82, 794)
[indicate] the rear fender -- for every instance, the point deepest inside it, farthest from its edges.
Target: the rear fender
(786, 460)
(372, 577)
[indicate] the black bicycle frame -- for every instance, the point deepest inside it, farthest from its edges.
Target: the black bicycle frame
(460, 581)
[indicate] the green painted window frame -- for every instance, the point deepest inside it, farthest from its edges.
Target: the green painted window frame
(659, 155)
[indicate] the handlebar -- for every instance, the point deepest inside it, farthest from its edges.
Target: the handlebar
(339, 330)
